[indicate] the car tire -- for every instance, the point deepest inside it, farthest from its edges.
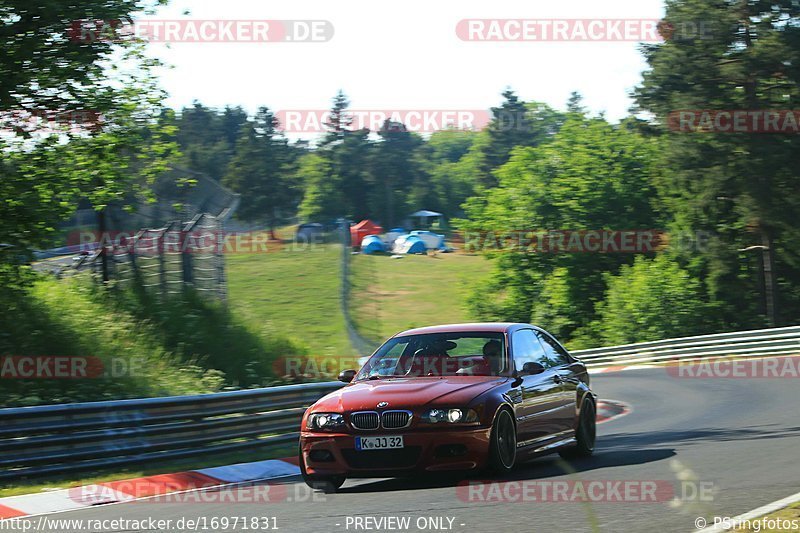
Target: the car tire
(503, 443)
(326, 484)
(585, 434)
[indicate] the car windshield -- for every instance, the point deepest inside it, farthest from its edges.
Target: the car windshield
(438, 354)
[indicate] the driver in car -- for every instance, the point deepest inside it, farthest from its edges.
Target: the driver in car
(492, 352)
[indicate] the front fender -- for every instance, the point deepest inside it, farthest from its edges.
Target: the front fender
(493, 400)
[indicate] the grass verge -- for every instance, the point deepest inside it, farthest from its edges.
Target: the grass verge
(293, 291)
(779, 521)
(73, 318)
(137, 345)
(391, 295)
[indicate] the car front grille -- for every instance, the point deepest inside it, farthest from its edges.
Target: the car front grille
(366, 420)
(372, 420)
(395, 419)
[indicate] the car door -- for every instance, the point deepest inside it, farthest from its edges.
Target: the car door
(560, 364)
(538, 394)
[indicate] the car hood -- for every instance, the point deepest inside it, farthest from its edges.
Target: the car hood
(407, 393)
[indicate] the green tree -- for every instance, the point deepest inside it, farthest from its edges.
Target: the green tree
(207, 137)
(449, 171)
(350, 161)
(339, 121)
(742, 188)
(52, 59)
(514, 124)
(651, 299)
(337, 180)
(575, 103)
(322, 197)
(261, 171)
(111, 158)
(394, 172)
(449, 145)
(592, 176)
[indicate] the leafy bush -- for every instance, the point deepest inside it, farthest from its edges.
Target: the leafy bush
(650, 300)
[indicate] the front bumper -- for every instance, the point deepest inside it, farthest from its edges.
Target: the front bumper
(433, 450)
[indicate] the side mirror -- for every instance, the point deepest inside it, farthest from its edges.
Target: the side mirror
(531, 369)
(347, 375)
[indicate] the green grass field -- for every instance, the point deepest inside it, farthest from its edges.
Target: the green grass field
(293, 293)
(390, 295)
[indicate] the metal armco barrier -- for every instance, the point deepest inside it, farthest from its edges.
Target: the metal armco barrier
(57, 439)
(756, 343)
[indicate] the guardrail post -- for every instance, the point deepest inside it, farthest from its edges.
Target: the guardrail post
(186, 261)
(162, 271)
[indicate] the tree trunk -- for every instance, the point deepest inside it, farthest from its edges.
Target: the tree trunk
(770, 294)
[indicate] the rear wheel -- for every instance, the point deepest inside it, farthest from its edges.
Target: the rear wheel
(585, 434)
(503, 443)
(326, 484)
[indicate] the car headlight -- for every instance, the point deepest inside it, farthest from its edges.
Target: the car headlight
(451, 416)
(325, 421)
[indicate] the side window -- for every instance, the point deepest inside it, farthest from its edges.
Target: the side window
(554, 353)
(527, 349)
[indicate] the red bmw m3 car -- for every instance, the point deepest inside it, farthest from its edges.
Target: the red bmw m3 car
(454, 397)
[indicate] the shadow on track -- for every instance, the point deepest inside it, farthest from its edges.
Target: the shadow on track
(540, 468)
(767, 431)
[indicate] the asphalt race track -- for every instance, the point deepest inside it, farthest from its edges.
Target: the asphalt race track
(736, 440)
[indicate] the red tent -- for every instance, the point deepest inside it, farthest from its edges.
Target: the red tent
(361, 230)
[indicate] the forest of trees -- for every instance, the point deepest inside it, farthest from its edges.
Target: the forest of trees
(356, 174)
(533, 166)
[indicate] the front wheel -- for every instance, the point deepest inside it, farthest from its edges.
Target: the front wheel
(503, 443)
(326, 484)
(585, 434)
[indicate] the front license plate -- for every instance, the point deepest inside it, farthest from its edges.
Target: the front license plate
(379, 443)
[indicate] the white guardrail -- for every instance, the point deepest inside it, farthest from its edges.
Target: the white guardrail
(754, 343)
